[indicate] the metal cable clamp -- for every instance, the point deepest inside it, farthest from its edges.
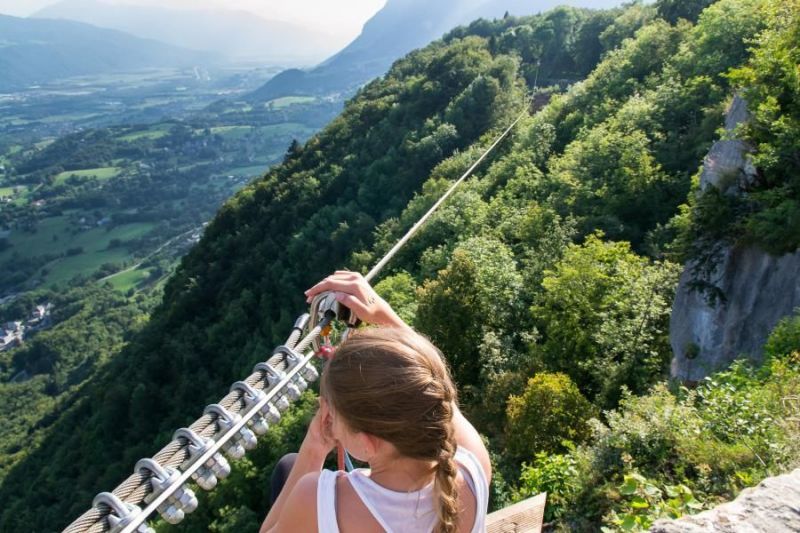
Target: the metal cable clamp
(217, 467)
(273, 376)
(244, 440)
(180, 503)
(292, 359)
(121, 514)
(268, 414)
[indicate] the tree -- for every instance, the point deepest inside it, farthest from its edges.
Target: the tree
(550, 410)
(604, 316)
(672, 10)
(477, 292)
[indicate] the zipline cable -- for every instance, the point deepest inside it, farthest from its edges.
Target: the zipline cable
(410, 233)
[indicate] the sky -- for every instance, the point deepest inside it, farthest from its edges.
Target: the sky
(334, 17)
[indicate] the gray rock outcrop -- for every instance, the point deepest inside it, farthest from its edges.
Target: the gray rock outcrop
(727, 166)
(771, 507)
(758, 289)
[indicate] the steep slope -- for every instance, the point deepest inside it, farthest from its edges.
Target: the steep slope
(222, 312)
(37, 51)
(234, 34)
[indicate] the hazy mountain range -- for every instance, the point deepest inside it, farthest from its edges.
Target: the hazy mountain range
(34, 51)
(398, 28)
(234, 34)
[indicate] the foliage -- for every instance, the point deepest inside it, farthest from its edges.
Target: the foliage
(672, 10)
(554, 474)
(644, 502)
(604, 313)
(475, 293)
(550, 410)
(784, 341)
(729, 434)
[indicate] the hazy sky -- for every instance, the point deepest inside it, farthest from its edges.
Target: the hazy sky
(339, 17)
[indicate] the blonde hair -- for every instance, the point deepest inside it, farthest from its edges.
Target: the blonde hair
(394, 384)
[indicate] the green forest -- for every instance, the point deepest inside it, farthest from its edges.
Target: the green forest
(547, 280)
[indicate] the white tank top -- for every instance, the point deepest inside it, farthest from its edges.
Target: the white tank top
(400, 512)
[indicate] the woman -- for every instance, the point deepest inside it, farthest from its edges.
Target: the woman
(386, 396)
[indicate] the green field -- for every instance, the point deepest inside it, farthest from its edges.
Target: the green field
(129, 280)
(69, 117)
(155, 132)
(9, 191)
(94, 243)
(101, 173)
(286, 128)
(253, 170)
(286, 101)
(232, 132)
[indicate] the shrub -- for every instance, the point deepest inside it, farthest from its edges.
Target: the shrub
(643, 502)
(784, 339)
(557, 475)
(550, 410)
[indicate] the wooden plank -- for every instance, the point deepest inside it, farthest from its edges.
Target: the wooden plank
(526, 516)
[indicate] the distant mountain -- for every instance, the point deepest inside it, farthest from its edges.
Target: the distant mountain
(235, 34)
(398, 28)
(497, 8)
(36, 51)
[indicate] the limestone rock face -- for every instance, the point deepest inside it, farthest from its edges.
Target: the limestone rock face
(771, 507)
(726, 166)
(760, 289)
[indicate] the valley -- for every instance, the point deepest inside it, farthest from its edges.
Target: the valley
(99, 173)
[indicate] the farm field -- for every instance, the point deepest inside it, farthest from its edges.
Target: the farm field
(101, 173)
(286, 101)
(90, 247)
(131, 279)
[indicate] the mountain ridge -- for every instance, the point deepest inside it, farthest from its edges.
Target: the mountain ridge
(237, 34)
(41, 50)
(367, 56)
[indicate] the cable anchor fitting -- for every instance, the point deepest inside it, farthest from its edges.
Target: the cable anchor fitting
(122, 513)
(273, 377)
(217, 467)
(267, 414)
(180, 503)
(241, 442)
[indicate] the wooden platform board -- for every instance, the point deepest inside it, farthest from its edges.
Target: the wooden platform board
(526, 516)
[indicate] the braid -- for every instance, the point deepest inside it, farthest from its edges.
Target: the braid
(402, 382)
(445, 483)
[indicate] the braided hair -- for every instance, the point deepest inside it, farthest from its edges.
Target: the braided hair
(394, 384)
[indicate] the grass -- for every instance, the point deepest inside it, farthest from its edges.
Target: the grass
(132, 279)
(101, 173)
(68, 117)
(154, 132)
(9, 191)
(232, 132)
(94, 243)
(253, 170)
(286, 101)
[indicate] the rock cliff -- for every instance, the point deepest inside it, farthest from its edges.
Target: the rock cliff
(759, 289)
(771, 507)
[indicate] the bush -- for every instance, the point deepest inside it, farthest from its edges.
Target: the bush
(554, 474)
(785, 339)
(643, 502)
(550, 411)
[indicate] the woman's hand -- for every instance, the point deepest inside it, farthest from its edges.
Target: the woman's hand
(319, 437)
(353, 291)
